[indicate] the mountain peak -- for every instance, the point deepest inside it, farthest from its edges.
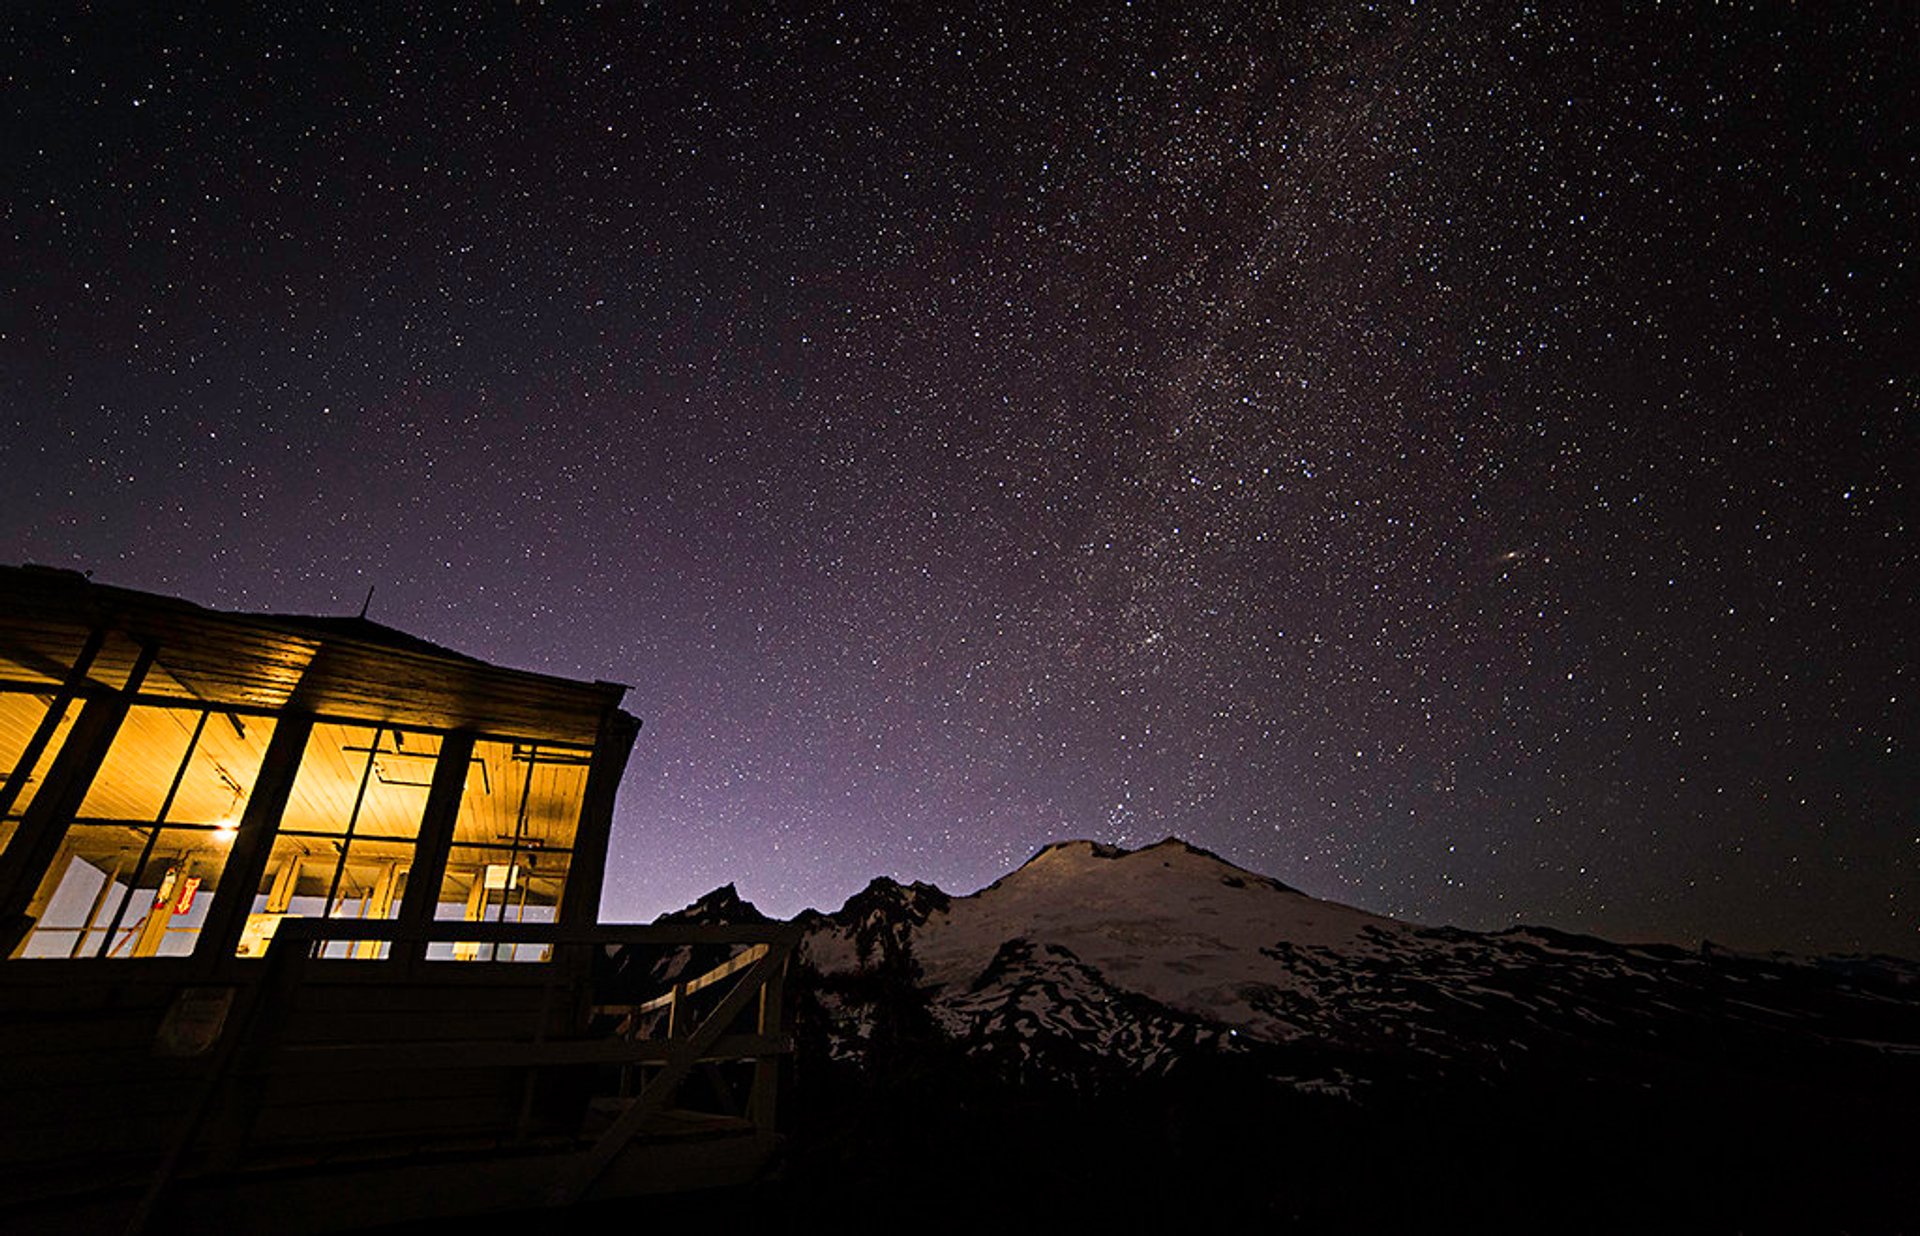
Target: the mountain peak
(1169, 850)
(884, 895)
(724, 905)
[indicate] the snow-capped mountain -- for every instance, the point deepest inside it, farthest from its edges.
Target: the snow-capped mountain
(1107, 1034)
(1092, 961)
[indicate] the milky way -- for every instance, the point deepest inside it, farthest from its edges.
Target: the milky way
(1453, 460)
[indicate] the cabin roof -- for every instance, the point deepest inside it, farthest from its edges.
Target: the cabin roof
(366, 631)
(334, 666)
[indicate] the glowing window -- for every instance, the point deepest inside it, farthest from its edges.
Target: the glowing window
(346, 841)
(21, 715)
(513, 843)
(138, 866)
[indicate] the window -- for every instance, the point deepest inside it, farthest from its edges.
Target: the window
(345, 845)
(139, 863)
(21, 715)
(513, 842)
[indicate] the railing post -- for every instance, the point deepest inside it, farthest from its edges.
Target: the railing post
(766, 1069)
(673, 1008)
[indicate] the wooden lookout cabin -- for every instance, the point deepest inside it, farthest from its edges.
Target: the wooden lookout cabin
(298, 920)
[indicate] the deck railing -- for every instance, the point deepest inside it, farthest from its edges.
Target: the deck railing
(726, 1021)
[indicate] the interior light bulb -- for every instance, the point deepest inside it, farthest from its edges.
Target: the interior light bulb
(227, 825)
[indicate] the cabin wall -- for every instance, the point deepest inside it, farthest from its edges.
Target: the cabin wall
(86, 1099)
(345, 1054)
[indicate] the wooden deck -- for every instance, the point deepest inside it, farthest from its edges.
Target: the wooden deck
(297, 1094)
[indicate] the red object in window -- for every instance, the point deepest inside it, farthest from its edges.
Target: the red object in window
(188, 887)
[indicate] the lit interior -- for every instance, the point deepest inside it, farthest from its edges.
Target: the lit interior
(128, 857)
(513, 842)
(140, 861)
(138, 866)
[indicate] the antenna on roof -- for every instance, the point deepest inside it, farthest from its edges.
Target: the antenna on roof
(368, 601)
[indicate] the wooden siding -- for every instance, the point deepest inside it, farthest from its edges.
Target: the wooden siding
(336, 667)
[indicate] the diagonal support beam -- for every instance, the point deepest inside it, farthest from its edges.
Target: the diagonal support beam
(687, 1053)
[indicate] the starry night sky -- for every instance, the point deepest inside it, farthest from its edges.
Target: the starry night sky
(1455, 459)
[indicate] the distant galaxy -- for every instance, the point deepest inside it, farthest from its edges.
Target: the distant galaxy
(1455, 459)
